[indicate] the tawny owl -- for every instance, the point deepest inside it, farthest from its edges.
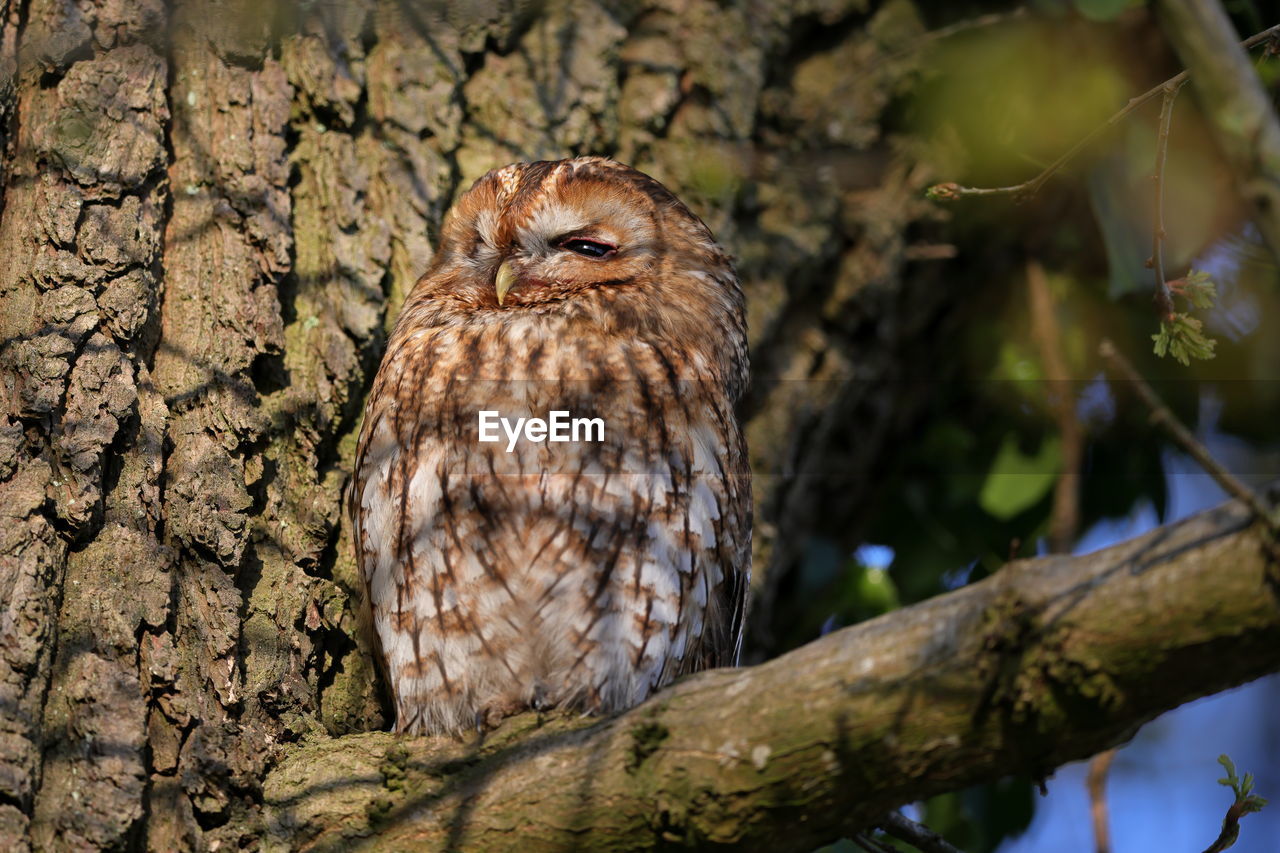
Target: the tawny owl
(587, 562)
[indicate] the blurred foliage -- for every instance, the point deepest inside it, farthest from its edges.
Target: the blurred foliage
(1000, 102)
(1018, 481)
(973, 487)
(1105, 10)
(979, 818)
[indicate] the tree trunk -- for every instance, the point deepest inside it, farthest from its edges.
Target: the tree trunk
(211, 212)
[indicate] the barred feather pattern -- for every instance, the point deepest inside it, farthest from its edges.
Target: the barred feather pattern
(580, 574)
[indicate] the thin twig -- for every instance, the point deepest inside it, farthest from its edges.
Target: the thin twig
(1162, 416)
(917, 835)
(1026, 189)
(1244, 802)
(1230, 829)
(1164, 299)
(942, 33)
(1099, 766)
(978, 22)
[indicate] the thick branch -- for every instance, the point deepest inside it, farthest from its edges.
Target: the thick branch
(1048, 661)
(1239, 110)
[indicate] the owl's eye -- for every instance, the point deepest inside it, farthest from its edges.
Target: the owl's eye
(587, 248)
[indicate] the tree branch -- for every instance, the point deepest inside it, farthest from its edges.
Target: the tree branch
(1164, 299)
(1232, 97)
(1163, 416)
(918, 836)
(1048, 661)
(1099, 766)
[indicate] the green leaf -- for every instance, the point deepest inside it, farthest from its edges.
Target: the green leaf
(1248, 802)
(1017, 481)
(1199, 289)
(1162, 342)
(1183, 337)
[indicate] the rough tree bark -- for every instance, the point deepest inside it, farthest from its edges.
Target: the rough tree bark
(211, 211)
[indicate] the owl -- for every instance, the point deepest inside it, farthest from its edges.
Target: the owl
(511, 559)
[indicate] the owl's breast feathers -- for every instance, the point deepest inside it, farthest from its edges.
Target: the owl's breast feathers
(585, 573)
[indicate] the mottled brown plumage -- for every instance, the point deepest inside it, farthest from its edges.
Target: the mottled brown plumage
(579, 574)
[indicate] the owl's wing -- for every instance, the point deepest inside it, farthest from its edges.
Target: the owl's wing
(730, 484)
(352, 500)
(736, 562)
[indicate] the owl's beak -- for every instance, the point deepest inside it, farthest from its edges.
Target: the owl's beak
(504, 280)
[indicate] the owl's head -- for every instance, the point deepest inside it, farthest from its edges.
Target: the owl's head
(582, 235)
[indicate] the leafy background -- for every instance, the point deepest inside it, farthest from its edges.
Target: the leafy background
(975, 485)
